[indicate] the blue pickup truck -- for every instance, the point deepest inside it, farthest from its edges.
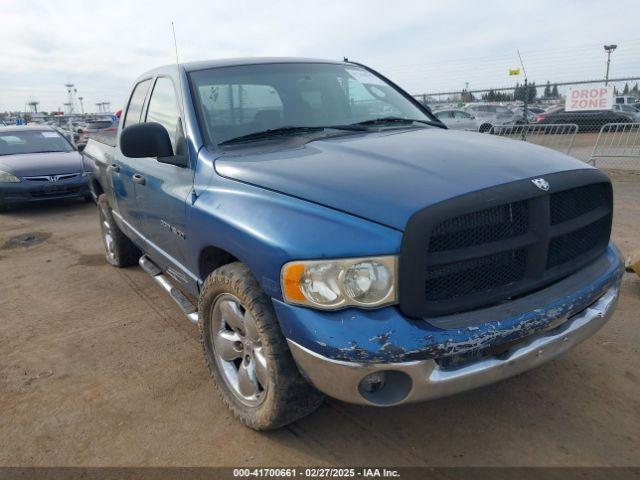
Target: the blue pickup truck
(330, 236)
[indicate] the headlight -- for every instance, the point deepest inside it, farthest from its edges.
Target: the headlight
(333, 284)
(6, 177)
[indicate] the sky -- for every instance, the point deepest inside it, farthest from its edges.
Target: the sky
(424, 46)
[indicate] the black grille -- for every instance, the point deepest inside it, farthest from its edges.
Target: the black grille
(578, 201)
(456, 257)
(453, 280)
(484, 226)
(572, 245)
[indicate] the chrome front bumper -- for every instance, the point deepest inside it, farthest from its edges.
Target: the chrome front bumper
(424, 379)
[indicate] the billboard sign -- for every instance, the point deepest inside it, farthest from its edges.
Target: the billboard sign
(589, 98)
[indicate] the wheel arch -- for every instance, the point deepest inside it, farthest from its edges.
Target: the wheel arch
(211, 258)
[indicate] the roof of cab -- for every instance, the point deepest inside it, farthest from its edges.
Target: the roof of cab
(235, 62)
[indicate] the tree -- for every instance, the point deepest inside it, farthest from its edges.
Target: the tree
(532, 92)
(465, 96)
(518, 93)
(554, 91)
(626, 89)
(547, 90)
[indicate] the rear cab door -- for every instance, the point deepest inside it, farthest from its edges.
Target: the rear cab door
(122, 170)
(163, 190)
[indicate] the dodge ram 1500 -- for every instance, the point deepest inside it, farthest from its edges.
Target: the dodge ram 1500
(330, 236)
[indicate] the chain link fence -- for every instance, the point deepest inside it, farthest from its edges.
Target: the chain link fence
(607, 138)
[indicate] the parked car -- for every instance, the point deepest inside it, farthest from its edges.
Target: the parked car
(457, 119)
(531, 112)
(489, 115)
(39, 164)
(629, 109)
(321, 249)
(104, 126)
(625, 100)
(587, 121)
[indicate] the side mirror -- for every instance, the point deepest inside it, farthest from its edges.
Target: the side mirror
(81, 147)
(145, 140)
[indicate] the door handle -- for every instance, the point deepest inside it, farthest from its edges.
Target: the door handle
(114, 167)
(139, 179)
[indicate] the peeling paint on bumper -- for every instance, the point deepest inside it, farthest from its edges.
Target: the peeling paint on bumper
(386, 336)
(428, 380)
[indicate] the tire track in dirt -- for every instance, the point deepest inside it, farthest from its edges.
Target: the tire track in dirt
(183, 325)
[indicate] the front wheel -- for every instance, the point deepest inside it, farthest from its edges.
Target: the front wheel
(246, 353)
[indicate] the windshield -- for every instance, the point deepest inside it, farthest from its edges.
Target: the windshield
(32, 141)
(238, 101)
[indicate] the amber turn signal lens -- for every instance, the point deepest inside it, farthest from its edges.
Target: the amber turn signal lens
(291, 282)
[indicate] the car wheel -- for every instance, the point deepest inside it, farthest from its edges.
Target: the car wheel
(120, 251)
(247, 355)
(485, 127)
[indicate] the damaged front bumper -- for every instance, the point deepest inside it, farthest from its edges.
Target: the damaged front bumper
(422, 361)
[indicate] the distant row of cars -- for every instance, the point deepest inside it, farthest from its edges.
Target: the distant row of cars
(482, 117)
(79, 131)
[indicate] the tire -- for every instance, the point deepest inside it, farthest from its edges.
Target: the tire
(120, 251)
(4, 207)
(88, 197)
(232, 303)
(484, 128)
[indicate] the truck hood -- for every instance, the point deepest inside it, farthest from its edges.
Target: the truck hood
(388, 176)
(50, 163)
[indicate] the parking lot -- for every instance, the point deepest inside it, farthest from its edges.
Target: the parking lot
(99, 367)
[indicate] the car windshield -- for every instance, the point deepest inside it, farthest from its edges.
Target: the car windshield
(15, 142)
(238, 101)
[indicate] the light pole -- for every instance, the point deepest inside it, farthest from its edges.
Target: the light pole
(608, 49)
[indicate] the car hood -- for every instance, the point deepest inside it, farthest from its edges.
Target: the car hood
(50, 163)
(387, 177)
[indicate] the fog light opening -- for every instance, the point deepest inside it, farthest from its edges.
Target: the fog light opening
(385, 387)
(373, 382)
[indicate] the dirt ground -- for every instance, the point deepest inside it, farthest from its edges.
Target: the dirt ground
(99, 367)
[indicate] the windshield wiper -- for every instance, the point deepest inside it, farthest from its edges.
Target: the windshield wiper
(280, 131)
(383, 120)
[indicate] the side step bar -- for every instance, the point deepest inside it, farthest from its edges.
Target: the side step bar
(183, 302)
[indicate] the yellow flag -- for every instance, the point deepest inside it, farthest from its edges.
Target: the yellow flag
(514, 71)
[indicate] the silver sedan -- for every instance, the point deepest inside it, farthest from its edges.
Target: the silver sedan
(457, 119)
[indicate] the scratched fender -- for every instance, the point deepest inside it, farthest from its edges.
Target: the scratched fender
(386, 335)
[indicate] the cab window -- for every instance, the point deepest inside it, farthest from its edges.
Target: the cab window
(163, 108)
(136, 103)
